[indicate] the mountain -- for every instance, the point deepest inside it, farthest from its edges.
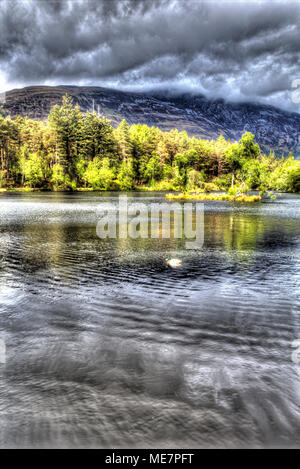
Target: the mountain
(274, 129)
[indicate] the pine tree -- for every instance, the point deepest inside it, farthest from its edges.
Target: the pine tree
(66, 124)
(124, 140)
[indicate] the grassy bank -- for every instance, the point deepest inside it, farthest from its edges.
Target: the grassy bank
(218, 197)
(21, 189)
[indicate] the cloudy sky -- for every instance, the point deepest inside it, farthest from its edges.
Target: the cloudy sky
(237, 50)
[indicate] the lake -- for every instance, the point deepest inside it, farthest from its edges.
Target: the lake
(106, 347)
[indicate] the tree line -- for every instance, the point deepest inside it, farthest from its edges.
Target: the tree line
(74, 150)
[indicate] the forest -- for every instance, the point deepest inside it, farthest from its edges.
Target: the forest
(76, 151)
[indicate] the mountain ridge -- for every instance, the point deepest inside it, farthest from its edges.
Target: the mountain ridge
(275, 129)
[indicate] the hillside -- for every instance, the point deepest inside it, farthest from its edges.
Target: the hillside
(274, 129)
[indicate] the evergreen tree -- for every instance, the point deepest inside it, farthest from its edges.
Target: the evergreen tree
(124, 140)
(66, 124)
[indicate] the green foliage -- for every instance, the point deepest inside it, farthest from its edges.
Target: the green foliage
(59, 180)
(293, 179)
(195, 179)
(153, 170)
(123, 138)
(167, 172)
(223, 182)
(96, 137)
(33, 167)
(252, 170)
(284, 176)
(3, 178)
(234, 158)
(80, 168)
(249, 149)
(75, 149)
(125, 178)
(65, 123)
(33, 170)
(99, 175)
(235, 190)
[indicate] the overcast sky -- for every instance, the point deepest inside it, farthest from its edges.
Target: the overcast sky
(241, 51)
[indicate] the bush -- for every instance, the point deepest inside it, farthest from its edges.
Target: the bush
(99, 175)
(58, 178)
(210, 186)
(125, 178)
(293, 180)
(224, 182)
(195, 179)
(33, 170)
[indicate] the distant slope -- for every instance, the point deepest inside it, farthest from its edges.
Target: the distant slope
(274, 129)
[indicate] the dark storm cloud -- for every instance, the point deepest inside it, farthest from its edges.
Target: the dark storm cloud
(235, 50)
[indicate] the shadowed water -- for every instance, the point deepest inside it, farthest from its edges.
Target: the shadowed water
(105, 347)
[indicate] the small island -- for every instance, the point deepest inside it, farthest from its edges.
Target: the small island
(217, 197)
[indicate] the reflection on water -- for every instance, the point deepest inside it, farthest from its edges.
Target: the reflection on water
(108, 348)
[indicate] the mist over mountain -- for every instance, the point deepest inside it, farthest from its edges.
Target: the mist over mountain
(275, 129)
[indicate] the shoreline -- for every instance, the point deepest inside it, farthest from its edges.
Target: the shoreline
(213, 195)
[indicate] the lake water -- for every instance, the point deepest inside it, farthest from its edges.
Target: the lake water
(106, 347)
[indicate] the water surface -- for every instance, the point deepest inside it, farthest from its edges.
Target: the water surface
(108, 348)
